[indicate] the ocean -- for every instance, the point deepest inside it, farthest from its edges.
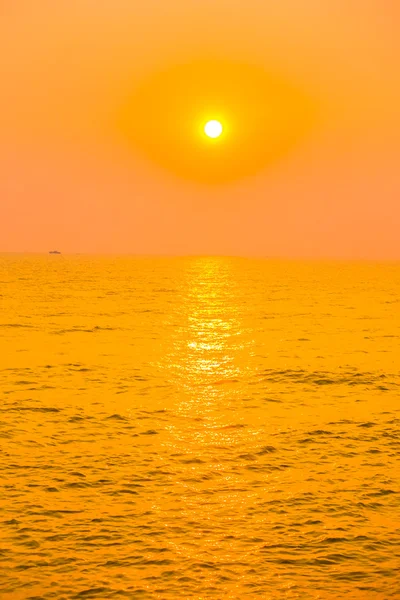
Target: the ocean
(199, 428)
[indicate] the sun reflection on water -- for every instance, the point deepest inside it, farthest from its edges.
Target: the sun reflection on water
(208, 346)
(209, 360)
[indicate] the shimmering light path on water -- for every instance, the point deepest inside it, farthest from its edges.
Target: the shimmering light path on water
(199, 428)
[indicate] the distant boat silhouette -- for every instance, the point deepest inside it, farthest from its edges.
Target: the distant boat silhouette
(54, 252)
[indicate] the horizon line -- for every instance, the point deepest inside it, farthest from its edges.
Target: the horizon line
(205, 255)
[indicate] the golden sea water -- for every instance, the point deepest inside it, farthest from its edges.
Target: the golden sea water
(199, 428)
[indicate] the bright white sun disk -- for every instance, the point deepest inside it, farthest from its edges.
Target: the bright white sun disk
(213, 129)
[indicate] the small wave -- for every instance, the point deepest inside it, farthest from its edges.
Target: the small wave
(116, 417)
(322, 378)
(16, 325)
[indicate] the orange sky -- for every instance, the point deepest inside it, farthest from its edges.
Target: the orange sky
(72, 178)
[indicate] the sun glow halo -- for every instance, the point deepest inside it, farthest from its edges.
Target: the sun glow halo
(215, 121)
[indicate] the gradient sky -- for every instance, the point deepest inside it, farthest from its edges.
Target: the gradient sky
(69, 179)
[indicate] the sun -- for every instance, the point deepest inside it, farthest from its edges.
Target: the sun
(213, 129)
